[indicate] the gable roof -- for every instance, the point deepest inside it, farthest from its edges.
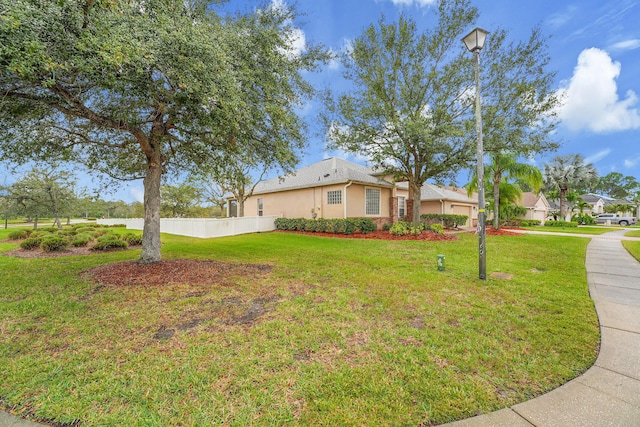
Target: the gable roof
(325, 172)
(431, 192)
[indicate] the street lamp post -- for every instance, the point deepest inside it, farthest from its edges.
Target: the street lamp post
(475, 42)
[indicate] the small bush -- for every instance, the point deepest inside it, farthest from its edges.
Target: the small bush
(437, 228)
(81, 239)
(31, 243)
(447, 220)
(400, 228)
(583, 218)
(18, 235)
(113, 243)
(118, 226)
(132, 239)
(53, 243)
(85, 229)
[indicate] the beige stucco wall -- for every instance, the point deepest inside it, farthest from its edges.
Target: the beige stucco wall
(302, 203)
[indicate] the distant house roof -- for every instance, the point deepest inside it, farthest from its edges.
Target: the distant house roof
(325, 172)
(529, 199)
(591, 198)
(431, 192)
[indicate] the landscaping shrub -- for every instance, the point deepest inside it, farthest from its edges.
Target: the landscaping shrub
(31, 243)
(132, 239)
(18, 235)
(447, 220)
(337, 226)
(562, 224)
(583, 218)
(437, 228)
(53, 243)
(400, 228)
(118, 226)
(85, 230)
(113, 242)
(81, 239)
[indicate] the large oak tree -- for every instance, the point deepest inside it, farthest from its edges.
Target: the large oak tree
(142, 88)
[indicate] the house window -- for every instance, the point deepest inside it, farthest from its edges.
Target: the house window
(402, 211)
(334, 197)
(259, 207)
(372, 201)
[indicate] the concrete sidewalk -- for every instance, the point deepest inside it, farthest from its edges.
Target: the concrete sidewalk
(608, 394)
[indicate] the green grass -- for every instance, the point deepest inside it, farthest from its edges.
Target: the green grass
(357, 332)
(573, 230)
(633, 246)
(634, 233)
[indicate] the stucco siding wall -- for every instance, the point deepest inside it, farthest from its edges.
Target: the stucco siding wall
(430, 207)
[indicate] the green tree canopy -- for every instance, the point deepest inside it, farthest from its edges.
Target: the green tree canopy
(618, 186)
(140, 89)
(44, 191)
(569, 172)
(411, 109)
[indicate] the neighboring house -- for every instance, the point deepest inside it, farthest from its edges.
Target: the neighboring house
(336, 188)
(537, 206)
(596, 203)
(443, 200)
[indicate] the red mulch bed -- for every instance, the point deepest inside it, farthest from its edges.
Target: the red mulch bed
(379, 235)
(490, 231)
(132, 273)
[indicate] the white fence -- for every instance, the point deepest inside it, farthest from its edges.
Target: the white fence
(202, 227)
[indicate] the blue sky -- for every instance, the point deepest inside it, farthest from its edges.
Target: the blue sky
(594, 47)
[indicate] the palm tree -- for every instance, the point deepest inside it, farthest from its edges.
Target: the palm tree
(569, 172)
(503, 175)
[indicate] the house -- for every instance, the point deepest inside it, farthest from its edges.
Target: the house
(336, 188)
(537, 206)
(596, 203)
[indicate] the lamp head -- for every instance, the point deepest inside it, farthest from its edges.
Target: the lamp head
(474, 41)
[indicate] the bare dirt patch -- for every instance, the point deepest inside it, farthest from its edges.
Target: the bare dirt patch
(132, 273)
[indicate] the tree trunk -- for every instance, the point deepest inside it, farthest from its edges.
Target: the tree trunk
(563, 198)
(415, 214)
(240, 208)
(56, 221)
(151, 231)
(496, 203)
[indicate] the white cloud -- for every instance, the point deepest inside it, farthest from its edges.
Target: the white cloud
(334, 62)
(297, 38)
(419, 3)
(591, 99)
(629, 163)
(627, 45)
(598, 156)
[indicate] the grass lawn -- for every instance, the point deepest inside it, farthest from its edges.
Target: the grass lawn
(351, 332)
(633, 247)
(634, 233)
(573, 230)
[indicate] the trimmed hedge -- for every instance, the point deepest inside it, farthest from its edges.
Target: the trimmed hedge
(31, 243)
(18, 235)
(132, 239)
(521, 222)
(53, 243)
(322, 225)
(447, 220)
(563, 224)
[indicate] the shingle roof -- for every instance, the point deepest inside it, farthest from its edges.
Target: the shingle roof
(430, 192)
(325, 172)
